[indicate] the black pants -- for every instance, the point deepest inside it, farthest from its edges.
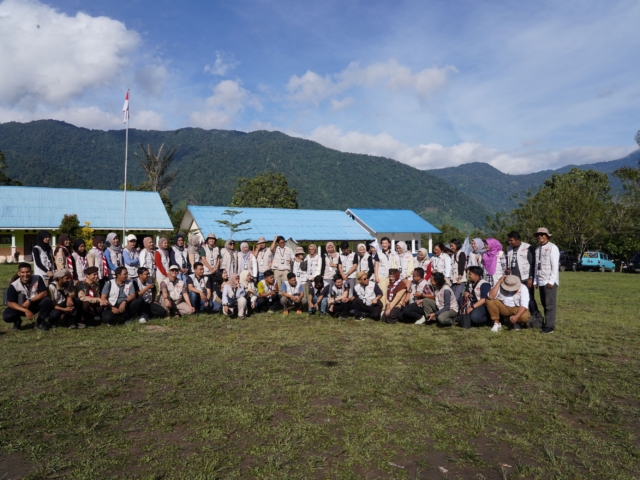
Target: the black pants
(394, 316)
(87, 311)
(548, 297)
(533, 306)
(153, 310)
(43, 307)
(360, 309)
(56, 317)
(479, 316)
(411, 313)
(342, 309)
(133, 309)
(263, 304)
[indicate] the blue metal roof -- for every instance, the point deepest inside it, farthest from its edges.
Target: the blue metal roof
(393, 221)
(37, 207)
(299, 225)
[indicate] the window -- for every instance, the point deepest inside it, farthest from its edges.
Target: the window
(5, 239)
(591, 254)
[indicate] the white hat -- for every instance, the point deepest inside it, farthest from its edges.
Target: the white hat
(130, 237)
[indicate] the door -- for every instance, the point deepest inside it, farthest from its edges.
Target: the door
(29, 243)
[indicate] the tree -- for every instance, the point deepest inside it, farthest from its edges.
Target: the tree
(86, 234)
(267, 190)
(70, 225)
(5, 181)
(233, 227)
(156, 166)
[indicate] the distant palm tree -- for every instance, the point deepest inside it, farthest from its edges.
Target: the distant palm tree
(156, 166)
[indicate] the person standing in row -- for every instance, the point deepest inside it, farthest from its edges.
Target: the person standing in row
(423, 261)
(314, 264)
(113, 254)
(131, 257)
(299, 267)
(210, 256)
(79, 257)
(62, 255)
(229, 258)
(521, 262)
(282, 259)
(147, 258)
(330, 264)
(264, 257)
(162, 259)
(441, 262)
(193, 250)
(405, 261)
(366, 262)
(547, 277)
(179, 257)
(347, 267)
(246, 260)
(494, 261)
(96, 258)
(387, 258)
(43, 257)
(478, 250)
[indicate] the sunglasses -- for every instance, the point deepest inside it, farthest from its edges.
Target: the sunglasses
(540, 234)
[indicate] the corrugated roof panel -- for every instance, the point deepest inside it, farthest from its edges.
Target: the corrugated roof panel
(393, 221)
(301, 225)
(37, 207)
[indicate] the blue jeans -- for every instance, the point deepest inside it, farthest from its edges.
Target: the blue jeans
(197, 303)
(479, 316)
(323, 304)
(260, 276)
(183, 277)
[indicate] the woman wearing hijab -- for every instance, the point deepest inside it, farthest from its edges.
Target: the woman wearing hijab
(246, 261)
(475, 258)
(405, 261)
(251, 292)
(441, 262)
(313, 264)
(329, 264)
(147, 258)
(229, 260)
(113, 254)
(62, 255)
(494, 260)
(96, 258)
(193, 250)
(131, 256)
(162, 260)
(178, 256)
(43, 257)
(423, 261)
(365, 262)
(233, 297)
(79, 257)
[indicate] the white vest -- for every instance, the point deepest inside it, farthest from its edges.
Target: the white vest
(417, 287)
(174, 290)
(290, 289)
(132, 270)
(405, 264)
(282, 258)
(329, 271)
(439, 264)
(181, 258)
(363, 263)
(116, 261)
(229, 261)
(337, 293)
(148, 295)
(455, 262)
(386, 263)
(301, 275)
(313, 266)
(440, 298)
(347, 264)
(59, 296)
(114, 290)
(516, 298)
(45, 259)
(544, 270)
(263, 258)
(30, 290)
(200, 285)
(80, 263)
(521, 260)
(98, 257)
(165, 260)
(366, 294)
(147, 260)
(476, 289)
(211, 256)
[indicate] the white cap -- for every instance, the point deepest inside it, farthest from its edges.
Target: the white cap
(131, 237)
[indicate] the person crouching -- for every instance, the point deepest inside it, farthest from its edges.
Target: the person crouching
(509, 299)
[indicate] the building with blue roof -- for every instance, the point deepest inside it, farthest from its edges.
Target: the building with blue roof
(297, 225)
(398, 225)
(26, 210)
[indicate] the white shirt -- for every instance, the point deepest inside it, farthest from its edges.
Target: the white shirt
(508, 300)
(547, 265)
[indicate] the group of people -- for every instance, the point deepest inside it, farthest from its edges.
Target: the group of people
(109, 283)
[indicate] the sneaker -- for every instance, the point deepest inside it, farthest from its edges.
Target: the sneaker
(97, 318)
(286, 312)
(311, 312)
(496, 327)
(420, 321)
(516, 327)
(342, 317)
(298, 312)
(82, 325)
(360, 319)
(43, 325)
(270, 312)
(547, 330)
(142, 320)
(16, 325)
(72, 326)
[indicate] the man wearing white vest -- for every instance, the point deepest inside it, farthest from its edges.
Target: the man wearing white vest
(282, 259)
(547, 277)
(520, 262)
(131, 256)
(175, 294)
(367, 298)
(348, 265)
(509, 298)
(27, 296)
(122, 296)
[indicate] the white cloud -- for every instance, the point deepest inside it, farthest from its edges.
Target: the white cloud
(433, 155)
(313, 88)
(221, 109)
(49, 57)
(338, 105)
(224, 63)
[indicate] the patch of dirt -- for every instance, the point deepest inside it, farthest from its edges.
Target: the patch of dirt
(294, 351)
(326, 402)
(14, 465)
(281, 416)
(135, 391)
(155, 328)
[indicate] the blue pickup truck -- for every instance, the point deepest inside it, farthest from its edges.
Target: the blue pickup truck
(597, 261)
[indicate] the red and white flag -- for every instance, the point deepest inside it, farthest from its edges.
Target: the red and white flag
(125, 108)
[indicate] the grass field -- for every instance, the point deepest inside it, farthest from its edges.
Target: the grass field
(299, 397)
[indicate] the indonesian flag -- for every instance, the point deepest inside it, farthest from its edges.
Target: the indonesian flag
(125, 108)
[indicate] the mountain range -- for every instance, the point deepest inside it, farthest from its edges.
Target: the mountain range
(209, 162)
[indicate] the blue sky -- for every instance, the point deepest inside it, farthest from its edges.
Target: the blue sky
(524, 86)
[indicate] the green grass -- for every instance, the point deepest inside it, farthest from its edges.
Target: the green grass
(298, 397)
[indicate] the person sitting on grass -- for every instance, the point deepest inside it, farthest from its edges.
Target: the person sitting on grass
(367, 297)
(233, 298)
(217, 285)
(395, 295)
(147, 292)
(268, 298)
(340, 297)
(62, 294)
(175, 296)
(199, 289)
(122, 296)
(509, 299)
(88, 301)
(293, 295)
(318, 296)
(26, 296)
(444, 307)
(250, 291)
(418, 290)
(477, 292)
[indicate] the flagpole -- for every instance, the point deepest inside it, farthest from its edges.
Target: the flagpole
(126, 152)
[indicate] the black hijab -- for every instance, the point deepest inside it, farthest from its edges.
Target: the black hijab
(175, 242)
(40, 241)
(77, 244)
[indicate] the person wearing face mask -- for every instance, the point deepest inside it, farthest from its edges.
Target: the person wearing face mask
(395, 296)
(113, 254)
(405, 261)
(229, 258)
(62, 295)
(282, 259)
(43, 257)
(96, 258)
(330, 264)
(246, 260)
(62, 255)
(131, 256)
(79, 260)
(178, 256)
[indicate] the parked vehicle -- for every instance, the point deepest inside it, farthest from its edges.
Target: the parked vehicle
(597, 261)
(633, 266)
(568, 262)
